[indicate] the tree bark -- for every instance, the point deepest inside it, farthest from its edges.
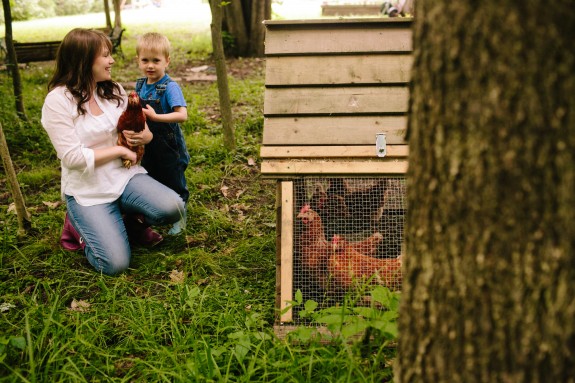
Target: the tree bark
(236, 26)
(490, 234)
(12, 61)
(243, 20)
(24, 220)
(117, 13)
(107, 13)
(222, 76)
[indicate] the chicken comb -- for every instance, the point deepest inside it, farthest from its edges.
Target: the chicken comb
(305, 208)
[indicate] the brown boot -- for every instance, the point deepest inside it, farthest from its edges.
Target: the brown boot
(140, 232)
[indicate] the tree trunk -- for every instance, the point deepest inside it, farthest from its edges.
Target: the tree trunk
(107, 13)
(117, 13)
(12, 61)
(222, 76)
(490, 234)
(235, 24)
(243, 20)
(24, 220)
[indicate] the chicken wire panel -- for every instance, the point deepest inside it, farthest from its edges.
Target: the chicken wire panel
(348, 232)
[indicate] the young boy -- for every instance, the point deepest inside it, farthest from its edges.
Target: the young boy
(166, 157)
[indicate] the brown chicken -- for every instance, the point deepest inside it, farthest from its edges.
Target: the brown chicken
(314, 247)
(316, 250)
(133, 118)
(347, 268)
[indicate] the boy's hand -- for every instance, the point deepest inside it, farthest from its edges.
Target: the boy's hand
(150, 113)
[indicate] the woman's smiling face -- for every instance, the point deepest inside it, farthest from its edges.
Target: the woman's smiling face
(102, 67)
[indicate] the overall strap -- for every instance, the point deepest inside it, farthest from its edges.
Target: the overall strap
(162, 86)
(140, 83)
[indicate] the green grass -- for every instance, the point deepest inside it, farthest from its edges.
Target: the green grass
(197, 308)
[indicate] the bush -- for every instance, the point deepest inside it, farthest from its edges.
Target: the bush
(38, 9)
(30, 9)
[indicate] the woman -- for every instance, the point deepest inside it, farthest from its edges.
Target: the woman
(106, 202)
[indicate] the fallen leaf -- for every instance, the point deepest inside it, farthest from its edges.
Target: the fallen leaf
(52, 205)
(224, 189)
(80, 306)
(251, 161)
(177, 277)
(6, 306)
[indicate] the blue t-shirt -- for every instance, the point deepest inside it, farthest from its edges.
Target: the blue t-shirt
(173, 96)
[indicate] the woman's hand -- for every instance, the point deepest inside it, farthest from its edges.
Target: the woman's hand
(140, 138)
(129, 155)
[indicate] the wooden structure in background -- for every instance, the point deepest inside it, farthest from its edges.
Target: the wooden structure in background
(32, 52)
(46, 50)
(331, 87)
(351, 9)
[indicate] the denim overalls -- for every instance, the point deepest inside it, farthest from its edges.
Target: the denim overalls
(166, 157)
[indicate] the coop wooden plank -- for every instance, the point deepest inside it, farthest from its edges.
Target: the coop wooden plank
(278, 209)
(329, 38)
(363, 151)
(335, 100)
(286, 249)
(332, 130)
(279, 168)
(353, 69)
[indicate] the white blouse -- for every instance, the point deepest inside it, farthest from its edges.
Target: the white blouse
(75, 137)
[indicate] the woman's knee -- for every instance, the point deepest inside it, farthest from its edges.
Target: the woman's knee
(109, 261)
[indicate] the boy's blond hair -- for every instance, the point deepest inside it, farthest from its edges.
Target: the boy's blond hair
(155, 42)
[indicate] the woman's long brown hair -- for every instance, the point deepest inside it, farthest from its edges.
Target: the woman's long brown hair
(74, 61)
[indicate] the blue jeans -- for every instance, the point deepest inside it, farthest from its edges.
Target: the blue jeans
(102, 227)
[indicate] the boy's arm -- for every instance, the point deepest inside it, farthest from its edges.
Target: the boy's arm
(180, 114)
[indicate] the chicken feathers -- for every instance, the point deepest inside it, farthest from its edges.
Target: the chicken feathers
(338, 264)
(313, 246)
(132, 118)
(348, 267)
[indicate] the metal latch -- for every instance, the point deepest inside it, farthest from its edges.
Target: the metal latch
(380, 145)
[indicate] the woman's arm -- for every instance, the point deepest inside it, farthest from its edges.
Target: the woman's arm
(58, 119)
(105, 155)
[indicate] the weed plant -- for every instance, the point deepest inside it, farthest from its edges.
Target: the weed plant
(197, 308)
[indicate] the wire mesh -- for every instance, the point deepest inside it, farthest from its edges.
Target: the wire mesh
(348, 233)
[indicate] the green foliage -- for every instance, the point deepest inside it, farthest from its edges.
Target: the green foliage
(38, 9)
(350, 320)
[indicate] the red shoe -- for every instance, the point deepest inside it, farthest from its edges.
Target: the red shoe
(141, 233)
(149, 237)
(70, 239)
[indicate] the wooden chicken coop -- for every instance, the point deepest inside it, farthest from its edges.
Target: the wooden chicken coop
(335, 116)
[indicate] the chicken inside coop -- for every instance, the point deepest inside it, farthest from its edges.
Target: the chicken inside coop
(348, 233)
(356, 208)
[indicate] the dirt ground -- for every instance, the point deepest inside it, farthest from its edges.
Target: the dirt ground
(202, 71)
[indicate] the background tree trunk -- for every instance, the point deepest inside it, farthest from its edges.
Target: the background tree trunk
(24, 220)
(490, 234)
(243, 20)
(12, 61)
(107, 13)
(222, 75)
(117, 13)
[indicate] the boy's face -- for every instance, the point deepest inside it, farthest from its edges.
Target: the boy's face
(153, 64)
